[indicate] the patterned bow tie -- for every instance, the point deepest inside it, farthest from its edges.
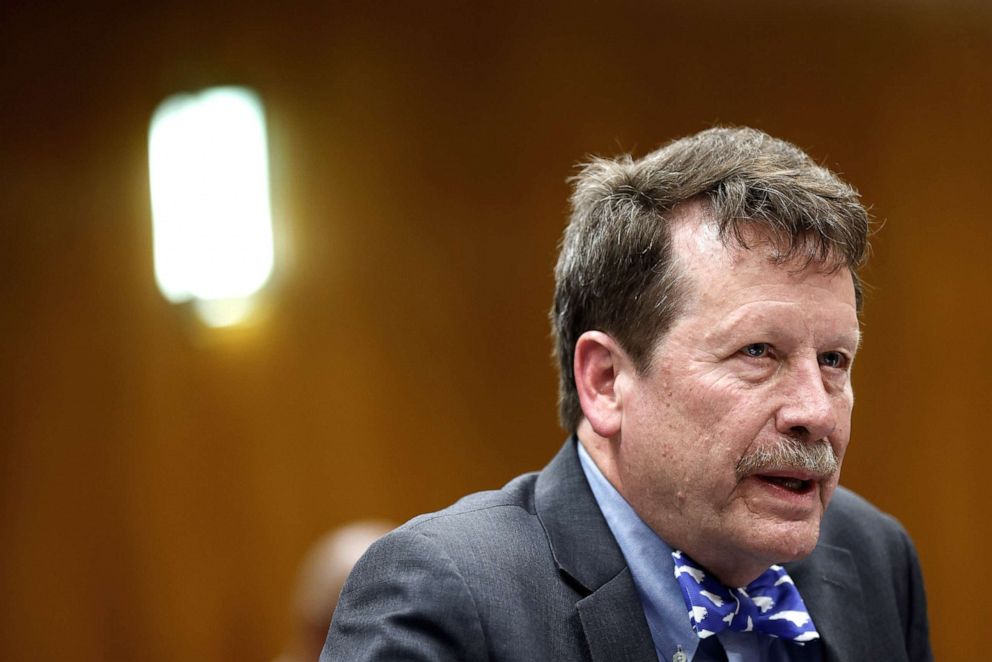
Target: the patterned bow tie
(770, 604)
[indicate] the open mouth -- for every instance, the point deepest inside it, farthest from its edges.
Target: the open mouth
(794, 485)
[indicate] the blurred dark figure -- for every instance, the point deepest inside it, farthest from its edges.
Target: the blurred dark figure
(322, 574)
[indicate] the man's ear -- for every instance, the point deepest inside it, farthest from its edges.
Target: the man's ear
(597, 363)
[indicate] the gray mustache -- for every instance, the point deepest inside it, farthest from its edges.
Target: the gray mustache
(815, 457)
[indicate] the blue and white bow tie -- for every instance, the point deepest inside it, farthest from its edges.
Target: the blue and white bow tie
(770, 604)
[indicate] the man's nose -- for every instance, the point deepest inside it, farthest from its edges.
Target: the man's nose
(808, 413)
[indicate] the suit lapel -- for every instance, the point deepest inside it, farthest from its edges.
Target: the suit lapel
(613, 620)
(590, 560)
(829, 584)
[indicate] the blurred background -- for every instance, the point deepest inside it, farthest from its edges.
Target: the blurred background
(160, 481)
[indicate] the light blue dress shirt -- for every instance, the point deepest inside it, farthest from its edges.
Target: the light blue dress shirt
(651, 565)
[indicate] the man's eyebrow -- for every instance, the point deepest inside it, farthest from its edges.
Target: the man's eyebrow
(745, 320)
(737, 329)
(743, 316)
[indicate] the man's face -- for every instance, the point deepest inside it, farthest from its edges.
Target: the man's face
(761, 354)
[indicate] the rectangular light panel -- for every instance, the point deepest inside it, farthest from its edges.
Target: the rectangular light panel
(212, 223)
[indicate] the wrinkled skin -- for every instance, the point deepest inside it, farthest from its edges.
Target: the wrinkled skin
(762, 351)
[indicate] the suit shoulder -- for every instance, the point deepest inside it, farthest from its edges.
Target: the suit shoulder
(855, 524)
(887, 564)
(848, 508)
(500, 526)
(851, 513)
(517, 495)
(849, 504)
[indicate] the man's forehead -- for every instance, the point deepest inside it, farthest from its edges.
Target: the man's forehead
(692, 223)
(698, 245)
(720, 272)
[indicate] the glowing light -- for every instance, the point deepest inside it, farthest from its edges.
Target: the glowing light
(212, 223)
(222, 312)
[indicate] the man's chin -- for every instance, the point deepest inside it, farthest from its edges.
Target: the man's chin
(776, 524)
(754, 546)
(786, 541)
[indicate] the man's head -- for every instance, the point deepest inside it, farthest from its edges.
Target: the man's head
(706, 311)
(616, 271)
(321, 577)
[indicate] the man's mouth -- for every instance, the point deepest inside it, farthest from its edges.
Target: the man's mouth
(790, 483)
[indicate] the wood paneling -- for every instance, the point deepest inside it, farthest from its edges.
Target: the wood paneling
(159, 483)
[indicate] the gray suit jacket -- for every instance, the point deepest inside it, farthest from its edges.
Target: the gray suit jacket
(532, 572)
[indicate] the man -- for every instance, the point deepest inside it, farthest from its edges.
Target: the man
(322, 575)
(706, 316)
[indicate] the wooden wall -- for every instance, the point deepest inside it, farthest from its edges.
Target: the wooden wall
(159, 483)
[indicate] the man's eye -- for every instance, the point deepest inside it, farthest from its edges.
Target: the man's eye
(756, 350)
(833, 360)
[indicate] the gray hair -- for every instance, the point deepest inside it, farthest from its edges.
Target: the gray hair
(615, 271)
